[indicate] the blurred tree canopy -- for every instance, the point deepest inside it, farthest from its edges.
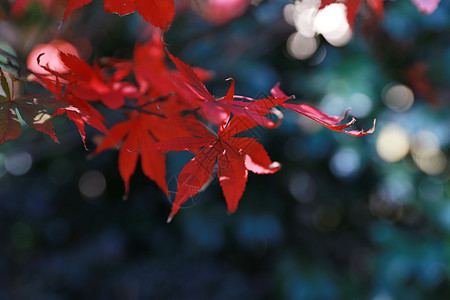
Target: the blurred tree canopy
(345, 218)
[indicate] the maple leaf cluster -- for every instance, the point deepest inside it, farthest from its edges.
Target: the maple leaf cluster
(165, 109)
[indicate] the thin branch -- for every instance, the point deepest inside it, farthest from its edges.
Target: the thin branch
(140, 109)
(160, 98)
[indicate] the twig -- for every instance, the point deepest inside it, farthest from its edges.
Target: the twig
(140, 109)
(160, 98)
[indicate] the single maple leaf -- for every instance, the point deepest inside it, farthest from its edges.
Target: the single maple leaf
(157, 12)
(139, 133)
(32, 108)
(235, 156)
(331, 122)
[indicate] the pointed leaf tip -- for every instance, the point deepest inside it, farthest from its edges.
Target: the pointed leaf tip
(169, 219)
(362, 132)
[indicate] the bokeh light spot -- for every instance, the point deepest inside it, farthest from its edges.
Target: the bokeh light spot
(331, 22)
(432, 164)
(361, 105)
(49, 56)
(392, 143)
(288, 13)
(18, 163)
(427, 154)
(332, 103)
(398, 97)
(302, 187)
(92, 184)
(304, 15)
(345, 162)
(300, 46)
(396, 190)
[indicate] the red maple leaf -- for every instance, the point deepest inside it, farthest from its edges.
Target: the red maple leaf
(149, 68)
(331, 122)
(138, 133)
(158, 12)
(235, 156)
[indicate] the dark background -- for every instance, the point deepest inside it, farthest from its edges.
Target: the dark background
(338, 221)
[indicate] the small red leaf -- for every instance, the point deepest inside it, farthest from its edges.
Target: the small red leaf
(158, 12)
(72, 5)
(331, 122)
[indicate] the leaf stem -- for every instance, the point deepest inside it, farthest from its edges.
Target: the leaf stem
(141, 110)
